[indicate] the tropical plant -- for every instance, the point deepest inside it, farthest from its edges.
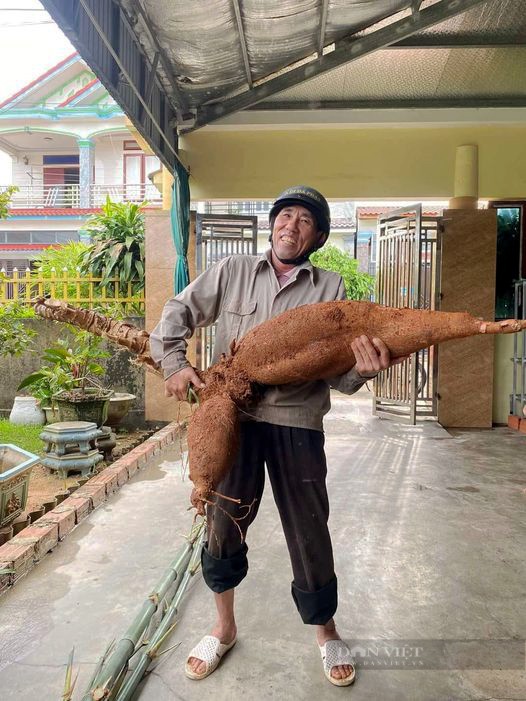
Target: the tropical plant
(61, 263)
(69, 366)
(15, 336)
(5, 199)
(53, 261)
(118, 245)
(358, 285)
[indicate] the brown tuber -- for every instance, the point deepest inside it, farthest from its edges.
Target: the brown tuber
(308, 343)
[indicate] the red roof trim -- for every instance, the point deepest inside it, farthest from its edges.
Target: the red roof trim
(27, 246)
(374, 213)
(62, 212)
(51, 211)
(39, 79)
(79, 92)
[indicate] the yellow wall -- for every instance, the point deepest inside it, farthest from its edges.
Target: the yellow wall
(353, 163)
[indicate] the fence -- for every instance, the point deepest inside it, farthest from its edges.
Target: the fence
(68, 195)
(70, 286)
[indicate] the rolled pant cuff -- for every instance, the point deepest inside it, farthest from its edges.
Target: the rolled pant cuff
(316, 607)
(220, 573)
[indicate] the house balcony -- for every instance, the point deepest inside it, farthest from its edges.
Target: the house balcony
(69, 196)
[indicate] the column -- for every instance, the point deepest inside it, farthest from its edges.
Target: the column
(159, 269)
(466, 190)
(86, 171)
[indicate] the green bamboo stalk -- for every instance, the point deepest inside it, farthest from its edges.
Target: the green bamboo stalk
(164, 629)
(100, 663)
(69, 684)
(109, 672)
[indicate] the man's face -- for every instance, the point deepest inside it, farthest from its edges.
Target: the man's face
(295, 232)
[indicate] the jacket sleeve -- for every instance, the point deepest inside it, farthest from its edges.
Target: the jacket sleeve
(199, 304)
(350, 382)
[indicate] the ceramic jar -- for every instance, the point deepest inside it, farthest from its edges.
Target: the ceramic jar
(26, 410)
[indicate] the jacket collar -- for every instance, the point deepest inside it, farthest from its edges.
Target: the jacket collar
(265, 259)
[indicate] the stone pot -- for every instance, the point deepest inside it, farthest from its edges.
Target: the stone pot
(93, 406)
(26, 410)
(120, 403)
(15, 470)
(51, 413)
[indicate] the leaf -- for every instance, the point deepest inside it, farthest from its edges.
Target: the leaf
(31, 380)
(126, 266)
(55, 354)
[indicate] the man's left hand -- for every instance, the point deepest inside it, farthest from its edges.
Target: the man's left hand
(372, 356)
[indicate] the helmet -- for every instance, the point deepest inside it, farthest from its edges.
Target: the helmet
(307, 197)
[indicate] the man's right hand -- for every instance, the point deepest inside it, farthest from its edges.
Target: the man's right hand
(177, 384)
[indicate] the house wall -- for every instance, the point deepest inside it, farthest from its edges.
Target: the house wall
(387, 162)
(109, 161)
(353, 163)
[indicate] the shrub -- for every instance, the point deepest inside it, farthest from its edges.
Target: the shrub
(358, 285)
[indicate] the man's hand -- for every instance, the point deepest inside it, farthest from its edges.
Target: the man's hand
(372, 356)
(177, 384)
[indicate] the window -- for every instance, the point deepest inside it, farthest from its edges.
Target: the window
(510, 255)
(137, 167)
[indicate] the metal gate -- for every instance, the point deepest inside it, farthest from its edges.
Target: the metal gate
(219, 236)
(408, 276)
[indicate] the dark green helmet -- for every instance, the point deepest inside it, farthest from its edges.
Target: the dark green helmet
(307, 197)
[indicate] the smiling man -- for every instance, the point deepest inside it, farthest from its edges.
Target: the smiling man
(283, 431)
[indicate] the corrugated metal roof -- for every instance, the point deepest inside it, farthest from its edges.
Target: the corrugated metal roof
(204, 48)
(211, 59)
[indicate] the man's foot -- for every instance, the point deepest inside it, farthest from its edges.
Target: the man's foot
(323, 635)
(225, 635)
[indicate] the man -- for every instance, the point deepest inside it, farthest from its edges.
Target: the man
(284, 430)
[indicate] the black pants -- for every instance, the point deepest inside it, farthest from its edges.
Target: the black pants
(297, 469)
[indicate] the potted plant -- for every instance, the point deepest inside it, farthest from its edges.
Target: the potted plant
(68, 379)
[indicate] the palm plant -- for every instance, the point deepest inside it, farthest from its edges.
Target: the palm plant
(118, 248)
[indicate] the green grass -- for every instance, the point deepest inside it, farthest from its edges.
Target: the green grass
(26, 437)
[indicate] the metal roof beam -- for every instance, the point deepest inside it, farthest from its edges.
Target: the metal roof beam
(345, 52)
(178, 98)
(459, 41)
(323, 25)
(395, 104)
(242, 41)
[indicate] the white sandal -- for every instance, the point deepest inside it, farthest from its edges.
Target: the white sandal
(209, 650)
(336, 653)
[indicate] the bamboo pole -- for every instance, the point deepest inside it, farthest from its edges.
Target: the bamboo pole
(165, 628)
(110, 671)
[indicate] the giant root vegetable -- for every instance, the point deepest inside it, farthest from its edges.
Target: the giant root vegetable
(308, 343)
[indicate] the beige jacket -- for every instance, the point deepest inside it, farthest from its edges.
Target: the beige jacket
(238, 293)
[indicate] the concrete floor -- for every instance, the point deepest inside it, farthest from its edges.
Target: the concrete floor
(429, 532)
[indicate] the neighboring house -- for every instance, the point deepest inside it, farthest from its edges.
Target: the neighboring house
(367, 232)
(342, 219)
(70, 148)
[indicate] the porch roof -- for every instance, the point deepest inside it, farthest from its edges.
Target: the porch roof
(175, 67)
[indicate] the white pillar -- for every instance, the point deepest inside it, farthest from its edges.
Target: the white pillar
(86, 171)
(466, 188)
